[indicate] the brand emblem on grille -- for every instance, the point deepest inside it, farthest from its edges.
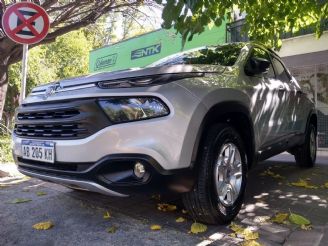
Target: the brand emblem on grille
(51, 90)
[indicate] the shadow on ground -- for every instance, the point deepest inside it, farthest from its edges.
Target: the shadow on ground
(82, 211)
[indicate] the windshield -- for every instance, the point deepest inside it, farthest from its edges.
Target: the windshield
(225, 55)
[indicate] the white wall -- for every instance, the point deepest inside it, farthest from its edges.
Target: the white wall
(303, 45)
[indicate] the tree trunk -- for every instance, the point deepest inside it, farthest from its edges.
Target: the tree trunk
(3, 83)
(9, 54)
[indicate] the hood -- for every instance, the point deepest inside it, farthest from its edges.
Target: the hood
(131, 73)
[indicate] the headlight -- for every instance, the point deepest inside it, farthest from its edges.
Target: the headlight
(132, 109)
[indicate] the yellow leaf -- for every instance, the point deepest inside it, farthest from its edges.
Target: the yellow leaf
(246, 233)
(280, 218)
(166, 207)
(326, 185)
(236, 228)
(298, 219)
(180, 220)
(107, 215)
(46, 225)
(198, 228)
(261, 219)
(184, 211)
(250, 235)
(306, 227)
(272, 174)
(41, 193)
(303, 183)
(250, 243)
(112, 229)
(20, 200)
(155, 227)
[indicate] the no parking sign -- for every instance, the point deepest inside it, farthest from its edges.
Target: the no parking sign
(25, 23)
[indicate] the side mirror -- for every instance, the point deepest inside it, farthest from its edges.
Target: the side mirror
(256, 65)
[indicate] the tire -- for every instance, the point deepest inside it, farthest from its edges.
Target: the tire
(306, 154)
(206, 203)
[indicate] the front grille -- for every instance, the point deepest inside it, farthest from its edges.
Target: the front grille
(50, 130)
(48, 115)
(62, 120)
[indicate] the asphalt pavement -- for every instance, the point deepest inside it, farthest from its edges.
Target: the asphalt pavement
(78, 217)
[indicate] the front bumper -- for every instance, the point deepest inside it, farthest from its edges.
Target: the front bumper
(112, 175)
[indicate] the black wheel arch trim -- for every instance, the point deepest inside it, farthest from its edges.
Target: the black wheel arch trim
(213, 116)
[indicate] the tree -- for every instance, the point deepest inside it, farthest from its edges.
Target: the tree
(65, 16)
(67, 57)
(266, 20)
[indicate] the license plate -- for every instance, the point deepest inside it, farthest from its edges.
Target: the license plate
(38, 150)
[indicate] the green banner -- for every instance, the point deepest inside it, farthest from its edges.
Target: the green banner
(145, 49)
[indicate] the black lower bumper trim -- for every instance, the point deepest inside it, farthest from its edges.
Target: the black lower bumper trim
(113, 172)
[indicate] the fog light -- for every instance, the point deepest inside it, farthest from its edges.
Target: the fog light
(139, 170)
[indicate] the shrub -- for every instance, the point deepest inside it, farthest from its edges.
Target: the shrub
(5, 149)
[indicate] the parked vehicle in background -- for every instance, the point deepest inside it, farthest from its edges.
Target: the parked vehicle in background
(195, 122)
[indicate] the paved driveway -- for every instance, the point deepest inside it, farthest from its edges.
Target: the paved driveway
(78, 216)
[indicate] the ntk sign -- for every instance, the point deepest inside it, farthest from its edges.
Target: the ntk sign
(147, 51)
(25, 23)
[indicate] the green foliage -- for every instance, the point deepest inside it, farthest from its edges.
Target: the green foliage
(5, 149)
(265, 19)
(67, 57)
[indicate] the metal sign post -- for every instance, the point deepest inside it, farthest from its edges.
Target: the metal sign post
(24, 73)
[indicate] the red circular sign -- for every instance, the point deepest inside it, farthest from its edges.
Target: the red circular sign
(26, 23)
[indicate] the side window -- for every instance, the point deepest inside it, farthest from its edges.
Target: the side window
(280, 70)
(260, 53)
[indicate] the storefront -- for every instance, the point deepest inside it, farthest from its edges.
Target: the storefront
(145, 49)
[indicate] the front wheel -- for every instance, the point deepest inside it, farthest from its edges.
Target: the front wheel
(306, 154)
(218, 193)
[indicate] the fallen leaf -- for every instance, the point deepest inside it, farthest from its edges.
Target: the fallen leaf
(166, 207)
(236, 228)
(326, 185)
(184, 211)
(20, 200)
(107, 215)
(303, 183)
(46, 225)
(41, 193)
(261, 219)
(298, 219)
(246, 233)
(180, 220)
(155, 227)
(198, 228)
(280, 218)
(251, 243)
(250, 235)
(306, 227)
(112, 229)
(272, 174)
